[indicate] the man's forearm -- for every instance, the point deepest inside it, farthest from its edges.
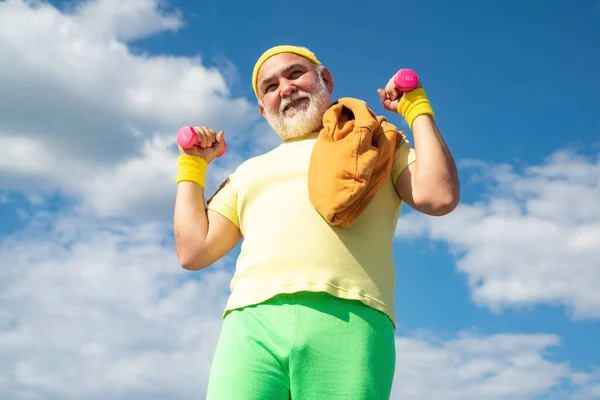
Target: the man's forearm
(436, 178)
(190, 222)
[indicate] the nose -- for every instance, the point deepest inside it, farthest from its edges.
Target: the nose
(286, 88)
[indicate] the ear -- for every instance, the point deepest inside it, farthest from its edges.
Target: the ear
(262, 110)
(328, 79)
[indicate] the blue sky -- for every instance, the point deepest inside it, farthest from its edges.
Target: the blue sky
(486, 65)
(514, 87)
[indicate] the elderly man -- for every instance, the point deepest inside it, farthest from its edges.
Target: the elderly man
(311, 311)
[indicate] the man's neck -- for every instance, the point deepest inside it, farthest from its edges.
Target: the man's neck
(310, 135)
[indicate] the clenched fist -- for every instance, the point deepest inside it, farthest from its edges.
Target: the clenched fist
(390, 96)
(209, 144)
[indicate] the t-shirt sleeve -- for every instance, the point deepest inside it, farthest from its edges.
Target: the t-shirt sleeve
(224, 201)
(403, 157)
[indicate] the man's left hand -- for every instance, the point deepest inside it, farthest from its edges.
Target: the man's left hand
(390, 96)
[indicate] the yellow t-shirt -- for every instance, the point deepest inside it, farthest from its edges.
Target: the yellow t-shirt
(288, 247)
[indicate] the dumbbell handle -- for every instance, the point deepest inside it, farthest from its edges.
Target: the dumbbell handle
(186, 138)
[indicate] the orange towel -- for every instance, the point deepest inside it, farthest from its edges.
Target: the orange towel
(350, 161)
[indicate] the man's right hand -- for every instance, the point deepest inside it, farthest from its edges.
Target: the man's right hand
(210, 145)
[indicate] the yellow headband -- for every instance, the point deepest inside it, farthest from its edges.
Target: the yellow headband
(301, 51)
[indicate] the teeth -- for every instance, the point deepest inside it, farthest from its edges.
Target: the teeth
(293, 103)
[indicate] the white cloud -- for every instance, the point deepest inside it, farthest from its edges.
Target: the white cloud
(99, 310)
(533, 239)
(95, 309)
(83, 114)
(132, 19)
(496, 367)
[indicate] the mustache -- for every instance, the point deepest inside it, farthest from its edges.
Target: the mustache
(293, 98)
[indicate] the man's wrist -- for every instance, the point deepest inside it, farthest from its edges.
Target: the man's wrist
(191, 169)
(413, 104)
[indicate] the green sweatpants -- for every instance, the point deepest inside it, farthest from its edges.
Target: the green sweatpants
(304, 346)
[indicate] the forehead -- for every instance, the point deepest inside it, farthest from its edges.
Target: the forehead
(278, 63)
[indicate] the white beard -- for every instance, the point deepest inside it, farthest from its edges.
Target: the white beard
(304, 121)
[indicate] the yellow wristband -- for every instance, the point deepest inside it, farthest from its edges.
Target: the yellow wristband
(191, 168)
(414, 103)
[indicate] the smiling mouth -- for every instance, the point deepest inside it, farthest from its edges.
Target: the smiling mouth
(294, 103)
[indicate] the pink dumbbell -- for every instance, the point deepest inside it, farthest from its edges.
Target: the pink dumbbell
(406, 80)
(186, 138)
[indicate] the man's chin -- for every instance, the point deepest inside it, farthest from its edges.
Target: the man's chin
(293, 130)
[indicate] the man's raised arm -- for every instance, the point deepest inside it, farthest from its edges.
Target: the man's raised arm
(201, 237)
(430, 184)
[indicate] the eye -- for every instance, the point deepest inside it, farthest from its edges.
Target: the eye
(268, 88)
(296, 74)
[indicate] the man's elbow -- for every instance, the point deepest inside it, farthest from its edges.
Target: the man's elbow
(191, 265)
(439, 205)
(444, 205)
(190, 261)
(189, 254)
